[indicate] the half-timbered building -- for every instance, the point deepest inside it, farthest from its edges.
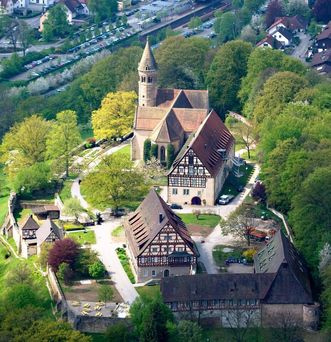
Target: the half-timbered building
(201, 167)
(28, 229)
(158, 241)
(48, 232)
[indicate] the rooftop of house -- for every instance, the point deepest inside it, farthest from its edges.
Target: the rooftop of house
(147, 221)
(284, 32)
(320, 58)
(271, 41)
(147, 61)
(293, 23)
(280, 277)
(207, 142)
(29, 223)
(47, 227)
(44, 209)
(325, 34)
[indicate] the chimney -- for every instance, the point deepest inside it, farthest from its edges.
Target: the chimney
(160, 217)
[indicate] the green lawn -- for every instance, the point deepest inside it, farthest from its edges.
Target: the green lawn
(149, 291)
(125, 151)
(205, 220)
(253, 155)
(117, 231)
(231, 183)
(65, 192)
(125, 263)
(83, 238)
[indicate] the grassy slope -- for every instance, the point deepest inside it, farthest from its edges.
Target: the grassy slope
(83, 238)
(4, 195)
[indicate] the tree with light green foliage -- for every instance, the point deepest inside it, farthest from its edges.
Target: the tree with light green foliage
(63, 137)
(194, 22)
(72, 207)
(229, 66)
(56, 24)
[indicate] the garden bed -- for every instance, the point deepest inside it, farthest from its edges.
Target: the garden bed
(121, 253)
(201, 226)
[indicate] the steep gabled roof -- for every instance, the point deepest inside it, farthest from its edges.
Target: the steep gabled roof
(323, 57)
(278, 253)
(273, 42)
(216, 287)
(207, 141)
(284, 32)
(168, 129)
(144, 224)
(46, 229)
(147, 61)
(292, 23)
(29, 224)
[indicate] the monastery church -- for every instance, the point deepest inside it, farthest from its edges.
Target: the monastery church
(182, 118)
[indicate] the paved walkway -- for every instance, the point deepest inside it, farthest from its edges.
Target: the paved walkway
(107, 254)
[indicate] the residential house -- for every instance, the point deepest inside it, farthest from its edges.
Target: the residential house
(48, 232)
(278, 291)
(270, 42)
(165, 116)
(283, 36)
(28, 229)
(6, 7)
(201, 167)
(159, 244)
(323, 40)
(294, 24)
(321, 62)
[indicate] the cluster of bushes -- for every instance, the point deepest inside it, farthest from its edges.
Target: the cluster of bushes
(71, 262)
(125, 263)
(90, 143)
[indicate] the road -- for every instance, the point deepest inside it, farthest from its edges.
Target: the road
(106, 250)
(300, 51)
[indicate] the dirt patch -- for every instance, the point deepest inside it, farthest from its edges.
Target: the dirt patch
(197, 230)
(89, 292)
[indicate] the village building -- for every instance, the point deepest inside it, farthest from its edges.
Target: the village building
(28, 229)
(283, 36)
(321, 62)
(294, 24)
(159, 244)
(278, 291)
(48, 232)
(201, 167)
(6, 7)
(323, 40)
(42, 212)
(269, 42)
(165, 116)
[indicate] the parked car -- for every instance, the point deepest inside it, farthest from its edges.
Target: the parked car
(176, 206)
(225, 199)
(118, 212)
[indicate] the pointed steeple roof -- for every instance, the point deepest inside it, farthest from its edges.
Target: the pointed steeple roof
(147, 61)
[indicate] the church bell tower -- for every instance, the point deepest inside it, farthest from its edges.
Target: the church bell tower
(147, 70)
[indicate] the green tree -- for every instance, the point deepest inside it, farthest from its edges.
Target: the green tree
(21, 275)
(185, 331)
(115, 116)
(155, 150)
(229, 66)
(97, 270)
(182, 62)
(119, 332)
(194, 22)
(150, 319)
(65, 273)
(311, 214)
(44, 330)
(72, 207)
(227, 26)
(147, 150)
(56, 24)
(170, 155)
(63, 137)
(25, 144)
(33, 178)
(108, 185)
(102, 9)
(20, 296)
(278, 91)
